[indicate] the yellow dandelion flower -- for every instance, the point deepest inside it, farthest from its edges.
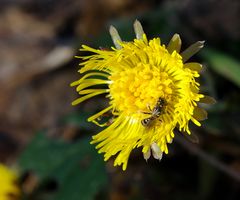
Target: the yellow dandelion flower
(9, 189)
(151, 91)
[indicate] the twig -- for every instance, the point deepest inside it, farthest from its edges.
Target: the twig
(210, 159)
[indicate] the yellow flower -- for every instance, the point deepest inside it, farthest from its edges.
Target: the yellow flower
(151, 91)
(9, 189)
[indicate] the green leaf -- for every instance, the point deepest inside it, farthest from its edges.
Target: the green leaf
(223, 64)
(77, 167)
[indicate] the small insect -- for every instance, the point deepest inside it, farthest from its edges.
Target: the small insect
(105, 119)
(155, 112)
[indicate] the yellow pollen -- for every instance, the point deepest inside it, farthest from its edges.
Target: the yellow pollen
(139, 87)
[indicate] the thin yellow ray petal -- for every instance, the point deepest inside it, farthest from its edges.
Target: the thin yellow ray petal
(81, 99)
(100, 125)
(87, 91)
(87, 48)
(88, 75)
(91, 82)
(99, 113)
(196, 122)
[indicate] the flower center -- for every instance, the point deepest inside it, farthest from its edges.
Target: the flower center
(139, 88)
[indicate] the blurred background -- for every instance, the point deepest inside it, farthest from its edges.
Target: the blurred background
(47, 139)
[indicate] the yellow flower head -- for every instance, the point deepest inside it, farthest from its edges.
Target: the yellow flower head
(151, 91)
(9, 189)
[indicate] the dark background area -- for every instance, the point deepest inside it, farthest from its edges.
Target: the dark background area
(48, 139)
